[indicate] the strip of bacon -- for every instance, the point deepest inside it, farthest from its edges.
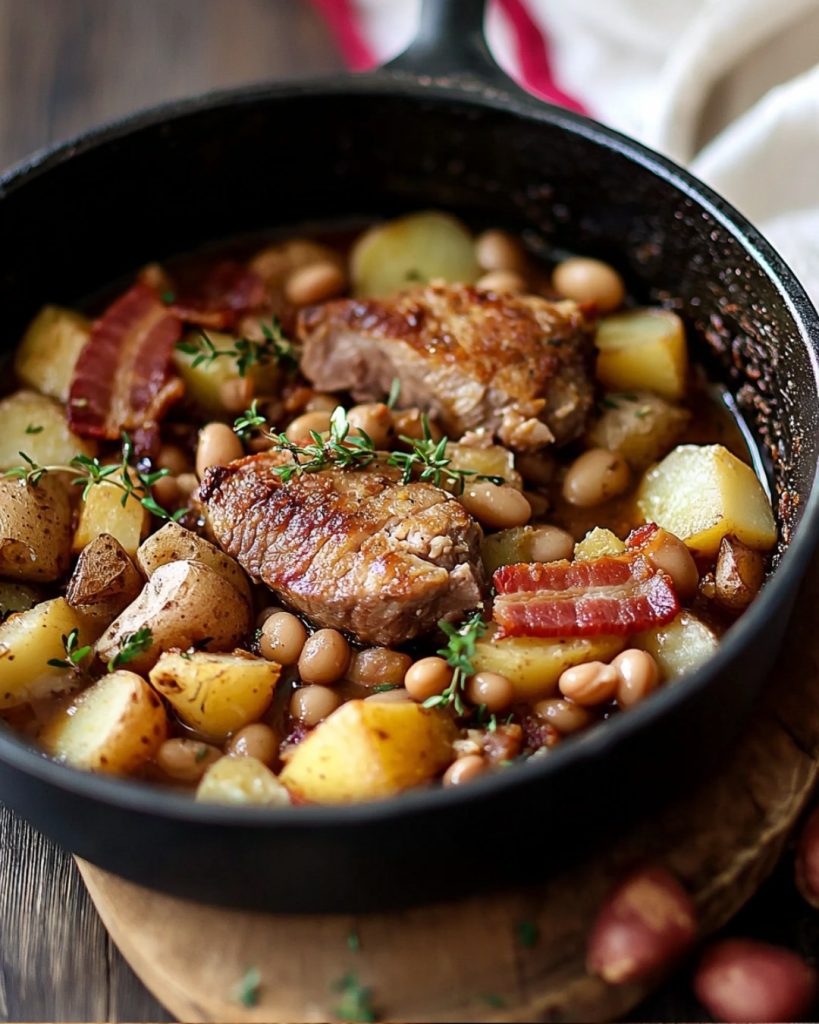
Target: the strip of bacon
(122, 380)
(227, 292)
(615, 595)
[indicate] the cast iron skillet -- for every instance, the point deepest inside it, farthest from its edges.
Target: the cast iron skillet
(442, 128)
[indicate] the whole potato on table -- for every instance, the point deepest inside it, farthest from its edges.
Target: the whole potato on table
(35, 528)
(184, 604)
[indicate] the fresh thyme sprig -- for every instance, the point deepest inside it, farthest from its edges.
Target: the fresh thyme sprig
(428, 460)
(458, 653)
(341, 449)
(88, 472)
(133, 645)
(274, 347)
(74, 655)
(250, 420)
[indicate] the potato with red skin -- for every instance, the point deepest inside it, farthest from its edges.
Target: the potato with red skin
(643, 925)
(807, 859)
(743, 980)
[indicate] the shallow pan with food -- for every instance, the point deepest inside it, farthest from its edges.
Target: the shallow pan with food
(441, 128)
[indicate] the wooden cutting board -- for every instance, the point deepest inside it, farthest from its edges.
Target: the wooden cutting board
(515, 956)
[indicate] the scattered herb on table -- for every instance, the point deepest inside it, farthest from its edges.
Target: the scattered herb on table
(353, 940)
(355, 1004)
(428, 460)
(32, 429)
(246, 990)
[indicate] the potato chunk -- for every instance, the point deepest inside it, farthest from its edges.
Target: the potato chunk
(114, 726)
(46, 356)
(412, 249)
(739, 574)
(173, 543)
(216, 694)
(597, 543)
(533, 664)
(486, 460)
(184, 604)
(35, 528)
(241, 780)
(103, 512)
(640, 426)
(681, 646)
(643, 350)
(369, 749)
(105, 580)
(525, 544)
(703, 493)
(37, 426)
(29, 640)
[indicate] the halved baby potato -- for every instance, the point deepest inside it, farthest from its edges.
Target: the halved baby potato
(46, 356)
(37, 426)
(35, 528)
(533, 664)
(241, 780)
(704, 493)
(29, 640)
(643, 350)
(105, 580)
(174, 543)
(412, 250)
(370, 749)
(681, 646)
(103, 512)
(216, 694)
(114, 726)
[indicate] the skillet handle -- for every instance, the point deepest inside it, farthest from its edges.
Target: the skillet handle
(450, 41)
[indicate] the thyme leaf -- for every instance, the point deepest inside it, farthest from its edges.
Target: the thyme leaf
(458, 654)
(74, 655)
(273, 348)
(133, 645)
(428, 460)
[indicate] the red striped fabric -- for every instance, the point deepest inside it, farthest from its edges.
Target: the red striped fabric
(532, 56)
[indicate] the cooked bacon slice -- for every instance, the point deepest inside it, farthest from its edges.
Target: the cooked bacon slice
(122, 380)
(227, 292)
(614, 595)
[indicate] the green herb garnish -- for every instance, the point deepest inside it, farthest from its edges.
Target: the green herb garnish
(353, 940)
(168, 297)
(246, 990)
(528, 934)
(90, 471)
(459, 651)
(341, 449)
(427, 459)
(133, 645)
(73, 655)
(356, 1000)
(384, 687)
(395, 391)
(495, 1001)
(250, 420)
(31, 429)
(274, 348)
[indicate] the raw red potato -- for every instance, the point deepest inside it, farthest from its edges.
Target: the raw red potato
(615, 595)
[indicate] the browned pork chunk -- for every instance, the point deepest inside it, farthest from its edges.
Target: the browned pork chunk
(515, 364)
(354, 550)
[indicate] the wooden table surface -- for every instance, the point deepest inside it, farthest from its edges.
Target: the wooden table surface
(65, 65)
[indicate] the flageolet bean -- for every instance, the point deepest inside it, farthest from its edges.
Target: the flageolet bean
(588, 280)
(563, 715)
(427, 678)
(324, 657)
(589, 684)
(498, 250)
(464, 770)
(218, 446)
(497, 506)
(314, 283)
(639, 676)
(744, 980)
(255, 740)
(299, 430)
(377, 666)
(172, 458)
(282, 638)
(594, 477)
(375, 419)
(550, 544)
(500, 281)
(410, 423)
(236, 393)
(490, 689)
(670, 554)
(312, 704)
(166, 491)
(185, 759)
(320, 402)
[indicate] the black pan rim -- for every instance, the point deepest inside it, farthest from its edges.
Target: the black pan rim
(150, 799)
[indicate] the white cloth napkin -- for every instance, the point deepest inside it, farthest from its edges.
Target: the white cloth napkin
(728, 87)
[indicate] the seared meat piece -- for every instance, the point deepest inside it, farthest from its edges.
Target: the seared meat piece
(355, 550)
(516, 364)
